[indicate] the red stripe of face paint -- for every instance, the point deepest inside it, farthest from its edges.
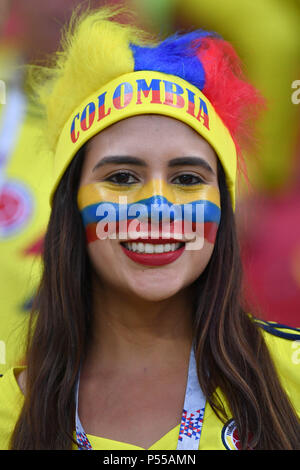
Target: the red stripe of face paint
(210, 231)
(90, 233)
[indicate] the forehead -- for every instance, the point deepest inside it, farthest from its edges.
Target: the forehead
(152, 137)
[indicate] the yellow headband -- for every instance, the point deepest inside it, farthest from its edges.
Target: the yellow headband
(146, 92)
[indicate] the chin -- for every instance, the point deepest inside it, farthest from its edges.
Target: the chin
(156, 291)
(157, 296)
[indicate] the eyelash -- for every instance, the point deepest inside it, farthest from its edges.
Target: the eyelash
(200, 180)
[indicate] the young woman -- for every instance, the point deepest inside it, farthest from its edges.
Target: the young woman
(139, 339)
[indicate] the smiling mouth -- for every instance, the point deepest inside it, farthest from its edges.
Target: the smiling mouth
(153, 252)
(153, 247)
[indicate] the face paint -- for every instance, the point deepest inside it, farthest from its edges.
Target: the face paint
(154, 211)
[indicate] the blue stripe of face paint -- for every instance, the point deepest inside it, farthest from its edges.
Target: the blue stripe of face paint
(114, 212)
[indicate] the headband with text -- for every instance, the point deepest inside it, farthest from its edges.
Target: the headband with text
(146, 92)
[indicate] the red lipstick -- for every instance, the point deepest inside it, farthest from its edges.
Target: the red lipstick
(154, 259)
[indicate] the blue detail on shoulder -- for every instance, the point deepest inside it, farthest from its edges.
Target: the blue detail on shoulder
(275, 329)
(175, 56)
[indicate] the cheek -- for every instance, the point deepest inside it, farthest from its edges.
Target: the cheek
(203, 256)
(196, 261)
(103, 259)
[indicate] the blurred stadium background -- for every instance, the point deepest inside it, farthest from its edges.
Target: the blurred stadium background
(266, 36)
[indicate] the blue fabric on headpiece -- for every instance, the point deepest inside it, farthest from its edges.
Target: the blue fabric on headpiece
(174, 56)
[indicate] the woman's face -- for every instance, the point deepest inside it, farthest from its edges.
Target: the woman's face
(149, 160)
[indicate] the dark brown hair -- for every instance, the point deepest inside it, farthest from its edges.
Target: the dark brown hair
(230, 350)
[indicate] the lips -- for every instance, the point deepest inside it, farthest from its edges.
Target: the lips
(154, 259)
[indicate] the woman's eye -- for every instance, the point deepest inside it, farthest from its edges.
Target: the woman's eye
(187, 179)
(122, 177)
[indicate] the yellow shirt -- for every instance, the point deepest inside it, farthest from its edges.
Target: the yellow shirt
(284, 345)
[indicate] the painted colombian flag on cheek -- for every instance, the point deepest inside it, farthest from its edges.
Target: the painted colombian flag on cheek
(149, 210)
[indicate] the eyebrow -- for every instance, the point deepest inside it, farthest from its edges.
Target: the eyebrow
(194, 161)
(179, 161)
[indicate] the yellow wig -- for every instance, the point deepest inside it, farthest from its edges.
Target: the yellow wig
(95, 50)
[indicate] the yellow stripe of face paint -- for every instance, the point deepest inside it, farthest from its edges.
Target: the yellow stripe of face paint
(176, 194)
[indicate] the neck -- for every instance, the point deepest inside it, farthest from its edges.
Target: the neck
(134, 335)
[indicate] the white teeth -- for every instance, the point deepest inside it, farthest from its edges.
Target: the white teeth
(149, 248)
(158, 248)
(141, 247)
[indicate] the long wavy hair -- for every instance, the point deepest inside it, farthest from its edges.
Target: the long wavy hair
(231, 354)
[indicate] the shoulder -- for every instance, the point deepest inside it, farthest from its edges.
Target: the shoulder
(283, 343)
(279, 330)
(11, 402)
